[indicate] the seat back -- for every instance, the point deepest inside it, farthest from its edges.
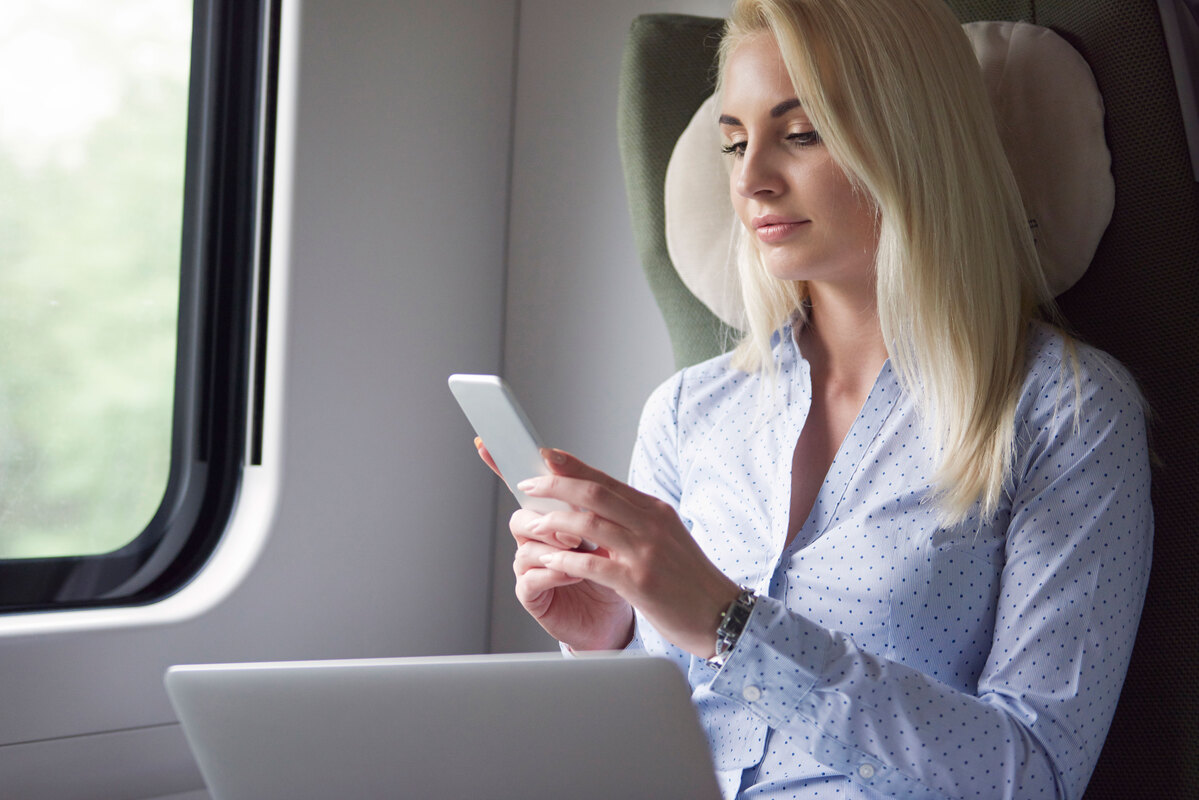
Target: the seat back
(1138, 301)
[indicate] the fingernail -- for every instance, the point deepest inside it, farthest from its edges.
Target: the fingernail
(527, 485)
(568, 540)
(546, 559)
(554, 456)
(478, 442)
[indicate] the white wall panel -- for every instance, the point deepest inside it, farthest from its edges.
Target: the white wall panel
(584, 341)
(380, 544)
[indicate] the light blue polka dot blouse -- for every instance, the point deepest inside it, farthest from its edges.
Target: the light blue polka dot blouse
(887, 656)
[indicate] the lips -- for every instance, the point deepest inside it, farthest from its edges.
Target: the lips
(772, 228)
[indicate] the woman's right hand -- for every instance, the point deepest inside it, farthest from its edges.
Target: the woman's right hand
(576, 612)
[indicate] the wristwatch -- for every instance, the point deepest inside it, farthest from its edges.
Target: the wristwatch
(732, 623)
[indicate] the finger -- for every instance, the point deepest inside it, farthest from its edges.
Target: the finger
(521, 524)
(563, 463)
(534, 588)
(485, 454)
(602, 517)
(527, 525)
(538, 581)
(585, 566)
(528, 556)
(578, 530)
(587, 495)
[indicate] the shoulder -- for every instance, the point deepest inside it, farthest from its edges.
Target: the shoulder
(1075, 392)
(1058, 362)
(1082, 451)
(701, 390)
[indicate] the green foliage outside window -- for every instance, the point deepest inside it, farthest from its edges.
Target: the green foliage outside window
(93, 113)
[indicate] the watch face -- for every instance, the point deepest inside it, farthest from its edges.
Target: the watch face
(732, 623)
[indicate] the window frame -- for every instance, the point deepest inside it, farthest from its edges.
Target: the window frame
(217, 420)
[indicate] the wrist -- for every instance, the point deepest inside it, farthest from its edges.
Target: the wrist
(617, 637)
(703, 635)
(733, 621)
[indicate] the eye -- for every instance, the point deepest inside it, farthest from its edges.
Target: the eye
(735, 149)
(804, 138)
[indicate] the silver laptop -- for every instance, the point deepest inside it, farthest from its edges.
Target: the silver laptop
(532, 727)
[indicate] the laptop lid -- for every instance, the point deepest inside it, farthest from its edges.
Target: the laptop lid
(532, 727)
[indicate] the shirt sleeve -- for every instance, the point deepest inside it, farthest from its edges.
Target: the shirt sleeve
(654, 469)
(1076, 566)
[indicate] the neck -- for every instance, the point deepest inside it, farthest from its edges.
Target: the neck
(843, 340)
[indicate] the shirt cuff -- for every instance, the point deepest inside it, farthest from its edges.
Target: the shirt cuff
(636, 644)
(775, 663)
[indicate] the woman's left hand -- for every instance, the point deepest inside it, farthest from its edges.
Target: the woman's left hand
(645, 553)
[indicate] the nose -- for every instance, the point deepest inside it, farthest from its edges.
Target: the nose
(757, 173)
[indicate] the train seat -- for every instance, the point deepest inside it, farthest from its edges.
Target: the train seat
(1138, 300)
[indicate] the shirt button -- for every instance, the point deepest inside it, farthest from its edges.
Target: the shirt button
(866, 771)
(752, 693)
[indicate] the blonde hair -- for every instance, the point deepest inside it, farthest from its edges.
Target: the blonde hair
(896, 93)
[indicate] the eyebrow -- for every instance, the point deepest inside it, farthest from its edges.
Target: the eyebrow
(776, 112)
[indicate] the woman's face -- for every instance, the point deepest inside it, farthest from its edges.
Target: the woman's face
(805, 217)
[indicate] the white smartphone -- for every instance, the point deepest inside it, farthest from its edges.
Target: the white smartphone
(502, 424)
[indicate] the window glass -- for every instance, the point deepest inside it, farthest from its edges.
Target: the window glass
(93, 124)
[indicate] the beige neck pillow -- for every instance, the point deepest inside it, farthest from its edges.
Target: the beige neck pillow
(1050, 116)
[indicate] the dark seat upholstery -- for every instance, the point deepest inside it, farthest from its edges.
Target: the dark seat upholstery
(1139, 301)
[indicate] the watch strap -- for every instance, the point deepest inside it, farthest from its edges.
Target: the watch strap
(732, 623)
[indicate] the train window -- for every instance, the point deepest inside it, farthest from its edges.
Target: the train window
(134, 177)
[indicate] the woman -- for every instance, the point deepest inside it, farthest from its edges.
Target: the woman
(899, 538)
